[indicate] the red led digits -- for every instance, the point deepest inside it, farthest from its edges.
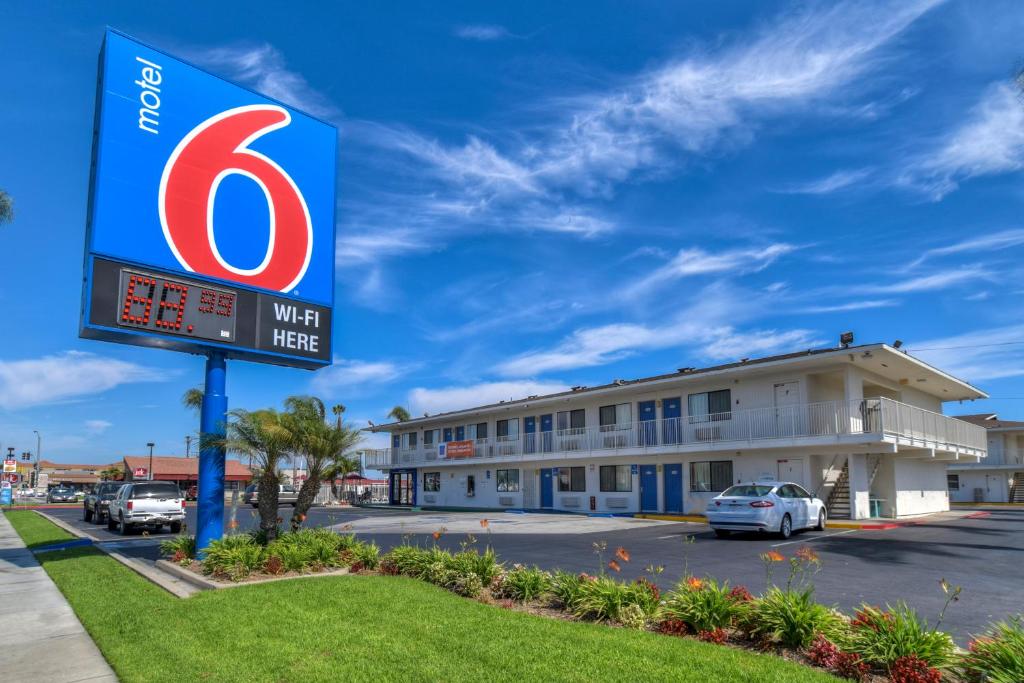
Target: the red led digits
(207, 300)
(171, 321)
(225, 303)
(132, 299)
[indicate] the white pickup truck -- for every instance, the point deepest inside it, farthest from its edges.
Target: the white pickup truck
(147, 503)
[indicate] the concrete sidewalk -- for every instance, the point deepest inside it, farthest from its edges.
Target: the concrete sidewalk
(43, 639)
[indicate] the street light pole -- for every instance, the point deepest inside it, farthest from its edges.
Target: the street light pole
(39, 453)
(151, 444)
(188, 444)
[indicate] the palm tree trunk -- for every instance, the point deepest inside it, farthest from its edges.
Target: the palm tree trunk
(267, 503)
(307, 495)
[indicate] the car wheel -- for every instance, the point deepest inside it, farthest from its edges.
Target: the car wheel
(786, 528)
(821, 521)
(175, 527)
(88, 515)
(722, 533)
(123, 527)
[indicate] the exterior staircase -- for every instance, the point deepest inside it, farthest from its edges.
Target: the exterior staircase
(1017, 488)
(838, 503)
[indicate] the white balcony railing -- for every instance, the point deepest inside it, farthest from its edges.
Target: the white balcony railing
(880, 418)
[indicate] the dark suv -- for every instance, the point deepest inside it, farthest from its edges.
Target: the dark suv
(97, 503)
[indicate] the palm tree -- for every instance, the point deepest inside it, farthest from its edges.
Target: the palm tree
(399, 414)
(6, 207)
(193, 399)
(112, 474)
(322, 445)
(338, 410)
(263, 436)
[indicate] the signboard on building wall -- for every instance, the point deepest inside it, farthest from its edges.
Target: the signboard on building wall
(211, 215)
(456, 449)
(140, 473)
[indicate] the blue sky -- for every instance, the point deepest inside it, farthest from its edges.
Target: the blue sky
(549, 194)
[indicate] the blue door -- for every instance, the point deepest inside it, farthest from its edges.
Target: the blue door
(648, 416)
(546, 425)
(671, 414)
(447, 434)
(649, 488)
(396, 440)
(547, 488)
(460, 433)
(530, 435)
(674, 488)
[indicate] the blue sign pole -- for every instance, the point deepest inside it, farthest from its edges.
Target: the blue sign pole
(210, 525)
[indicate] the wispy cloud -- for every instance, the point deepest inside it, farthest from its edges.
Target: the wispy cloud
(66, 375)
(696, 261)
(423, 400)
(851, 306)
(263, 68)
(985, 354)
(482, 32)
(994, 241)
(829, 184)
(349, 374)
(990, 141)
(97, 427)
(928, 283)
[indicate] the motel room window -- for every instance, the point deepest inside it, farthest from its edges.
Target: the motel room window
(447, 434)
(410, 439)
(508, 430)
(429, 437)
(617, 478)
(615, 417)
(481, 430)
(714, 476)
(572, 479)
(431, 482)
(570, 419)
(953, 482)
(709, 406)
(508, 481)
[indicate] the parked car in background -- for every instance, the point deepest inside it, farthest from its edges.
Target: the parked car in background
(286, 495)
(149, 504)
(192, 492)
(96, 504)
(765, 506)
(61, 494)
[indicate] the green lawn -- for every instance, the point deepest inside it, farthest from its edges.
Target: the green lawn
(35, 530)
(367, 628)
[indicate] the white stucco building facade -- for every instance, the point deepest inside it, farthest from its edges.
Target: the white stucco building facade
(999, 478)
(861, 427)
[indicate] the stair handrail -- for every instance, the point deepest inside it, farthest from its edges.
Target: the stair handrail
(828, 472)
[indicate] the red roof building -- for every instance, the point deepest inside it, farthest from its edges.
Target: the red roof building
(185, 471)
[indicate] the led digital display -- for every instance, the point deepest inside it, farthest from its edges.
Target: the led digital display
(171, 305)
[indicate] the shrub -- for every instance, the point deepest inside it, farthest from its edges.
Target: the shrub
(604, 598)
(485, 565)
(881, 637)
(524, 583)
(365, 555)
(290, 557)
(415, 562)
(633, 616)
(565, 588)
(273, 565)
(180, 547)
(998, 656)
(791, 618)
(234, 556)
(844, 664)
(673, 627)
(468, 585)
(715, 635)
(911, 669)
(703, 605)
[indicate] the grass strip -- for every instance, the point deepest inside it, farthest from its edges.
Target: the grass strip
(36, 531)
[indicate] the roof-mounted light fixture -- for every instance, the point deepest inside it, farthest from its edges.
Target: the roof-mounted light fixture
(845, 339)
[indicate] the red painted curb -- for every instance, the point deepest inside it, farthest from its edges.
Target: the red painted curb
(978, 515)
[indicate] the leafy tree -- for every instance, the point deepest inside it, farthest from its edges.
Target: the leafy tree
(114, 473)
(399, 414)
(264, 436)
(321, 444)
(193, 399)
(6, 207)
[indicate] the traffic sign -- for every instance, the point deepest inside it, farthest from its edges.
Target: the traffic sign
(10, 465)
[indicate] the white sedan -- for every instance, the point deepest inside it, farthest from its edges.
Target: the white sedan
(766, 506)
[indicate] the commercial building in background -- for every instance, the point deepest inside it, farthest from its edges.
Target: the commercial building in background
(859, 426)
(184, 471)
(999, 478)
(77, 476)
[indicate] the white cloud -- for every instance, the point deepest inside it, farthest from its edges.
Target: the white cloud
(851, 306)
(928, 283)
(991, 141)
(987, 354)
(444, 399)
(263, 68)
(96, 427)
(67, 375)
(831, 183)
(372, 246)
(482, 32)
(990, 242)
(348, 374)
(697, 261)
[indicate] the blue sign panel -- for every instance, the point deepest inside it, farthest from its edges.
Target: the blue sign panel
(211, 219)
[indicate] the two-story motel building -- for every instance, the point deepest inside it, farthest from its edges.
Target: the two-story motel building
(860, 426)
(1000, 477)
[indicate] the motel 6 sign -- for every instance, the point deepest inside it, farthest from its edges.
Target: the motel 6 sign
(211, 219)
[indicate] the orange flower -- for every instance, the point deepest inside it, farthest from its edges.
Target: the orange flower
(302, 518)
(622, 554)
(484, 523)
(772, 556)
(437, 535)
(615, 565)
(233, 524)
(694, 583)
(806, 554)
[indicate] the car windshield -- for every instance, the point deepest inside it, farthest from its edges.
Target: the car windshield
(156, 490)
(748, 491)
(108, 488)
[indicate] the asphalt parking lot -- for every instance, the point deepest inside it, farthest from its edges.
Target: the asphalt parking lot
(981, 554)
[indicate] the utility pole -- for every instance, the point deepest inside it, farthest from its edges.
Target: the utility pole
(39, 453)
(151, 444)
(188, 444)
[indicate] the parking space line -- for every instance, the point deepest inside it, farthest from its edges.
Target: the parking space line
(815, 538)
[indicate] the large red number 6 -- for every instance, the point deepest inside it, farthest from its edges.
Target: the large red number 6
(213, 150)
